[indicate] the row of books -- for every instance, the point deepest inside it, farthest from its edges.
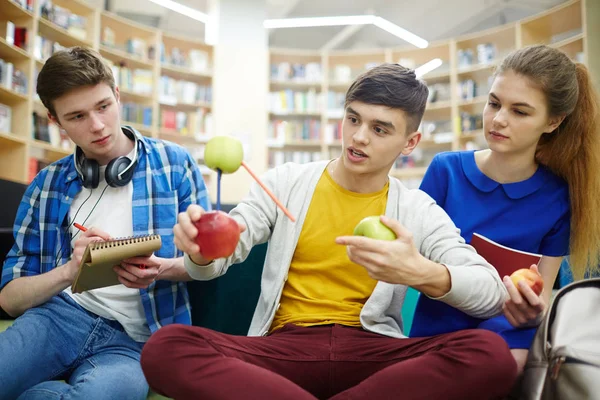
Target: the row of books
(43, 48)
(345, 74)
(138, 113)
(5, 118)
(469, 89)
(287, 101)
(438, 130)
(470, 122)
(485, 53)
(15, 35)
(297, 72)
(173, 91)
(197, 60)
(44, 130)
(26, 4)
(136, 47)
(187, 123)
(333, 132)
(439, 92)
(13, 78)
(335, 100)
(312, 72)
(278, 157)
(35, 166)
(63, 17)
(139, 81)
(284, 131)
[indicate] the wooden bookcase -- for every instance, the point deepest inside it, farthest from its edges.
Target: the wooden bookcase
(145, 52)
(451, 118)
(309, 127)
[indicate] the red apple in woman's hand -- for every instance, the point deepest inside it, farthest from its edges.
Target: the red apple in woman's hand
(531, 278)
(218, 234)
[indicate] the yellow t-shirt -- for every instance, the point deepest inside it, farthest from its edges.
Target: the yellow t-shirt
(323, 285)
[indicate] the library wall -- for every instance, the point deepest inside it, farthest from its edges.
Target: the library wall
(285, 105)
(240, 80)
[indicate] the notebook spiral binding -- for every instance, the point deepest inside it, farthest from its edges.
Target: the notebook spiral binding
(123, 241)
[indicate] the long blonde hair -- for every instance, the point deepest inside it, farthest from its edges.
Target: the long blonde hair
(571, 151)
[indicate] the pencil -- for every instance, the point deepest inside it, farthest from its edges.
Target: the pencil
(80, 227)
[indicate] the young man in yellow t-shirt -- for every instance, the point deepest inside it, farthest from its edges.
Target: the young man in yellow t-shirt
(328, 321)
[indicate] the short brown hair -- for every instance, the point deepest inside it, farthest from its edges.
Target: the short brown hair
(394, 86)
(70, 69)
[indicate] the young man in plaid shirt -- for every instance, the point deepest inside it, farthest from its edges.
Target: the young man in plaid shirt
(118, 184)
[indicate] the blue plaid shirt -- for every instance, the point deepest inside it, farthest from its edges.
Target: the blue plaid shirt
(166, 181)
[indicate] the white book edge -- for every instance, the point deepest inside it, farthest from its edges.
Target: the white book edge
(505, 247)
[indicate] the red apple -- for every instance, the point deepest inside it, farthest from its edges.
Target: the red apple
(218, 234)
(532, 278)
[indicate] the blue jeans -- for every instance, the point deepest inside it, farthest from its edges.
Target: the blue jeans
(60, 340)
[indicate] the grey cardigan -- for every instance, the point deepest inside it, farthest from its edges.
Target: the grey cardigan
(476, 287)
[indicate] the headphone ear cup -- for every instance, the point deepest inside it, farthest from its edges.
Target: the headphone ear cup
(90, 171)
(114, 168)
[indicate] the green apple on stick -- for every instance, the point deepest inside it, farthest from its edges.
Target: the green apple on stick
(224, 153)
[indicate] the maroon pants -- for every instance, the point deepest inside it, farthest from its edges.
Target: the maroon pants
(337, 362)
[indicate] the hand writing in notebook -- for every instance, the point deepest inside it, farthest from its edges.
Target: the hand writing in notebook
(139, 272)
(85, 237)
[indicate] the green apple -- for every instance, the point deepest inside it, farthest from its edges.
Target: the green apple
(373, 228)
(225, 153)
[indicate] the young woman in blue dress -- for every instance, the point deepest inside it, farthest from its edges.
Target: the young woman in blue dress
(536, 189)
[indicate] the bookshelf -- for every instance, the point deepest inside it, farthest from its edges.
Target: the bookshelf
(458, 88)
(166, 84)
(141, 57)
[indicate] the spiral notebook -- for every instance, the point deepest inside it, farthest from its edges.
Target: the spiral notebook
(96, 268)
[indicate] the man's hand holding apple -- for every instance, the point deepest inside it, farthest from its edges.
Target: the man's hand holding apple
(526, 304)
(205, 236)
(394, 258)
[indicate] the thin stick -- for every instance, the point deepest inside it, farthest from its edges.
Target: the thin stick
(219, 174)
(271, 195)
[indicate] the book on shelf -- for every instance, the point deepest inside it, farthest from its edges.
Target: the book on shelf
(137, 113)
(290, 101)
(296, 72)
(196, 60)
(35, 166)
(279, 157)
(64, 18)
(506, 260)
(47, 131)
(174, 91)
(306, 129)
(26, 4)
(5, 118)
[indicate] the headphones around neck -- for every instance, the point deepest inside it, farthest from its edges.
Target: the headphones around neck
(119, 171)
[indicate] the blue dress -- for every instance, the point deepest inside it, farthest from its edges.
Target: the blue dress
(531, 215)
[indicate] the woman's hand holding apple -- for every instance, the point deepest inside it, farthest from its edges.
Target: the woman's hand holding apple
(525, 305)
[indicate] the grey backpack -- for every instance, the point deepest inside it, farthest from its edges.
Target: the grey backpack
(564, 359)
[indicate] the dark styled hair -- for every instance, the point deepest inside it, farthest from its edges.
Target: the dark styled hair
(571, 151)
(70, 69)
(394, 86)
